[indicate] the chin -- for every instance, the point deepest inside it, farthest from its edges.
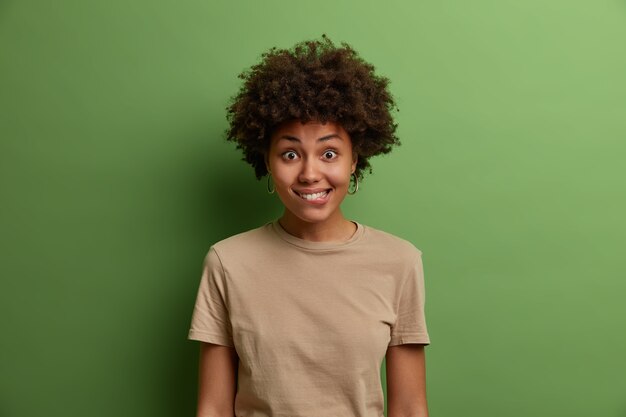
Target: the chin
(311, 217)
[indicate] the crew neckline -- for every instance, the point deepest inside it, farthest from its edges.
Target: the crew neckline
(309, 244)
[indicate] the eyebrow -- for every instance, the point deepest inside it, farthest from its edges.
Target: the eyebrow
(323, 138)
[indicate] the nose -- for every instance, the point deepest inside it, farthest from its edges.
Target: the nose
(309, 172)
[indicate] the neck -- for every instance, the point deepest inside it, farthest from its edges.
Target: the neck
(334, 229)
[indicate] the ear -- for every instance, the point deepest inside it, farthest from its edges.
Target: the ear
(267, 163)
(355, 159)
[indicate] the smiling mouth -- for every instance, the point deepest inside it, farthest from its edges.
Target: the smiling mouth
(314, 196)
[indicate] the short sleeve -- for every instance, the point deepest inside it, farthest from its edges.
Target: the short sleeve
(210, 320)
(410, 324)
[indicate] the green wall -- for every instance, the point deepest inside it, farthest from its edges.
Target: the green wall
(115, 179)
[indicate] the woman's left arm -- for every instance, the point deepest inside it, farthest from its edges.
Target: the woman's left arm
(406, 381)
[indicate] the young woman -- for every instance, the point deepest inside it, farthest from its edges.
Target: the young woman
(297, 315)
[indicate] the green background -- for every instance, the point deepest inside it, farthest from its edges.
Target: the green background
(115, 179)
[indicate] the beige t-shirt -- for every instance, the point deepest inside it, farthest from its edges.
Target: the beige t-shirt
(310, 321)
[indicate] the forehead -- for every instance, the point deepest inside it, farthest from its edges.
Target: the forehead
(308, 132)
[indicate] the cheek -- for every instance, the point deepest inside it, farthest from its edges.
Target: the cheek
(339, 177)
(281, 181)
(284, 178)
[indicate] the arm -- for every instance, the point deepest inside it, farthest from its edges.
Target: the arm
(406, 381)
(217, 380)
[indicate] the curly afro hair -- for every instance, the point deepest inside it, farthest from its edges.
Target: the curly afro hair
(314, 80)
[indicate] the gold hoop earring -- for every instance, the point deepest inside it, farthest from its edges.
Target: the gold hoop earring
(356, 182)
(269, 175)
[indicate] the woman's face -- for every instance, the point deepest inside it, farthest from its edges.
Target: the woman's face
(311, 165)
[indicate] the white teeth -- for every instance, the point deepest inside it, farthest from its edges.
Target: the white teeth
(314, 196)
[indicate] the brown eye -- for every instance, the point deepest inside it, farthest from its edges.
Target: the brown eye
(289, 155)
(330, 154)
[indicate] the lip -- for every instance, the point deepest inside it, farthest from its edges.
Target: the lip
(311, 190)
(317, 201)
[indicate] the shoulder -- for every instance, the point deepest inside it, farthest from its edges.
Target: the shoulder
(249, 239)
(392, 243)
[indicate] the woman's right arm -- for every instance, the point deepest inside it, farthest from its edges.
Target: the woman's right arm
(217, 380)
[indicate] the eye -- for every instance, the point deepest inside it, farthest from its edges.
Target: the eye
(330, 152)
(290, 155)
